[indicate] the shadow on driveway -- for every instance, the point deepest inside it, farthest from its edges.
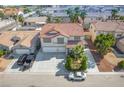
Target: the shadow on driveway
(61, 69)
(15, 66)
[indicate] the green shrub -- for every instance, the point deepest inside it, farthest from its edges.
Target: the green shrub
(68, 63)
(121, 64)
(2, 53)
(83, 63)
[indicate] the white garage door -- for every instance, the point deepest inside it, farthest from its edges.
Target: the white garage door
(22, 51)
(54, 49)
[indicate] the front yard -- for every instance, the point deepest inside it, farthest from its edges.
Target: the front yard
(51, 63)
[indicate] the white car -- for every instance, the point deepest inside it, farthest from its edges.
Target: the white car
(77, 76)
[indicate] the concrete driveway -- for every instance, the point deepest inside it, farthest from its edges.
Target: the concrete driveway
(52, 63)
(49, 63)
(92, 67)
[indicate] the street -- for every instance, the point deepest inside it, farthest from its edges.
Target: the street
(50, 80)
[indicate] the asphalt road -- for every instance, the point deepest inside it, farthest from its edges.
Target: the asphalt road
(45, 80)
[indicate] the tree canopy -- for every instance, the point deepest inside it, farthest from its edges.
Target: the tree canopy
(26, 10)
(75, 13)
(76, 59)
(104, 42)
(114, 13)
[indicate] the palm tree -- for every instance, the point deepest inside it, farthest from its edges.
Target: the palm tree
(77, 10)
(49, 19)
(75, 14)
(58, 19)
(114, 13)
(83, 15)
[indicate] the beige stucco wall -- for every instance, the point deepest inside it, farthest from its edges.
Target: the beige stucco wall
(92, 32)
(120, 46)
(54, 41)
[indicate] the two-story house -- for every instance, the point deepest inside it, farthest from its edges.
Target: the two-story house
(99, 27)
(61, 37)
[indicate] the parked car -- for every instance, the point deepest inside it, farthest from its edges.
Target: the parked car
(29, 61)
(77, 76)
(22, 59)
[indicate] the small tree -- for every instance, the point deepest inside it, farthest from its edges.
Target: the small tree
(77, 52)
(20, 19)
(76, 60)
(103, 43)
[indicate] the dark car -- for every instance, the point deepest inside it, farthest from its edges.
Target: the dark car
(22, 59)
(29, 61)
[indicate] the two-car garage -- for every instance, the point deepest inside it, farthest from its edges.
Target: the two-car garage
(54, 49)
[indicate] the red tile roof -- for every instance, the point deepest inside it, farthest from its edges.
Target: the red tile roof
(109, 26)
(65, 29)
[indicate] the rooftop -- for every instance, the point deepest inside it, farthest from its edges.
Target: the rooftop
(36, 19)
(109, 26)
(25, 37)
(66, 29)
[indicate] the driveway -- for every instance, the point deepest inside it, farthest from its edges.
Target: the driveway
(52, 63)
(49, 63)
(92, 67)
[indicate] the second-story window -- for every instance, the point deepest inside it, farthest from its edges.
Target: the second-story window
(77, 38)
(46, 40)
(60, 40)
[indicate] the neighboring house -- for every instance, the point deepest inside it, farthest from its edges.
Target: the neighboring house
(61, 37)
(99, 27)
(6, 25)
(120, 45)
(13, 11)
(19, 42)
(36, 22)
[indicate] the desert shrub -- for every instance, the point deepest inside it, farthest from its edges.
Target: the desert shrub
(121, 64)
(2, 52)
